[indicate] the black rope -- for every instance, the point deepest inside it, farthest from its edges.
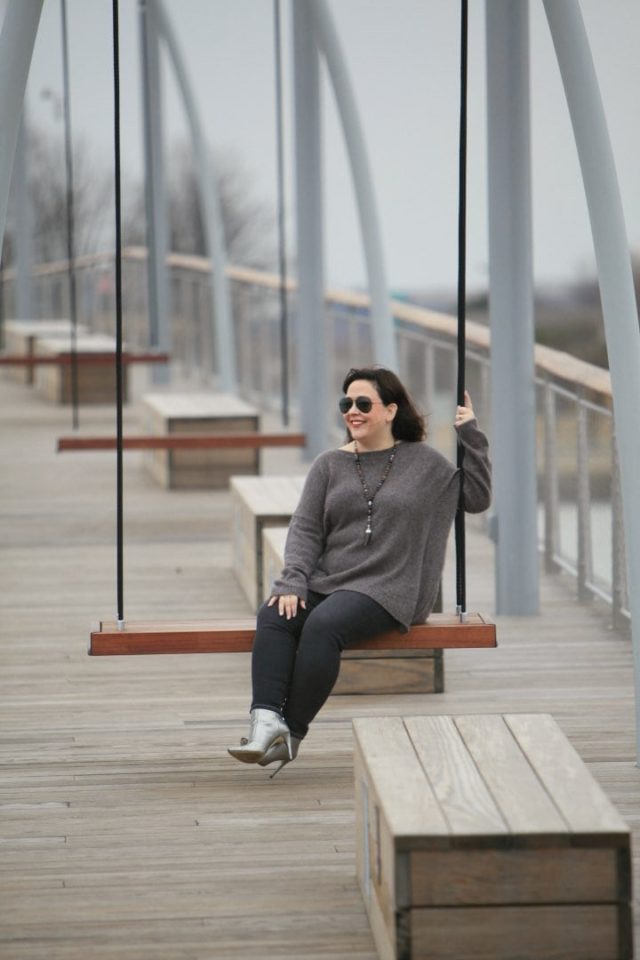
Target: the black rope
(282, 247)
(461, 586)
(70, 218)
(119, 366)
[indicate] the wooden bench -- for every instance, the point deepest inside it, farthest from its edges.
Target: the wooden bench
(170, 414)
(258, 503)
(20, 340)
(96, 381)
(385, 671)
(486, 838)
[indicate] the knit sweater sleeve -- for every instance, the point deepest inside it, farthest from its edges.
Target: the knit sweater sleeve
(306, 537)
(476, 467)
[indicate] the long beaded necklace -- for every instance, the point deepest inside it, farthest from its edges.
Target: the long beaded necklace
(370, 497)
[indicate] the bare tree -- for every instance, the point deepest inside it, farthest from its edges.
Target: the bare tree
(92, 201)
(248, 224)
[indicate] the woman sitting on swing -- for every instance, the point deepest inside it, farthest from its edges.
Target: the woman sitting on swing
(364, 554)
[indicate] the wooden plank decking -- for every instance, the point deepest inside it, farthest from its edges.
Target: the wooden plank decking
(126, 831)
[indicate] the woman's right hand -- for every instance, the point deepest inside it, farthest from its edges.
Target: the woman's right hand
(287, 605)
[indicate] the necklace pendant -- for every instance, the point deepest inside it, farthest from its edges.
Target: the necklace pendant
(367, 535)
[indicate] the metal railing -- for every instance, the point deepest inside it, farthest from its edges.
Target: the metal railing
(581, 529)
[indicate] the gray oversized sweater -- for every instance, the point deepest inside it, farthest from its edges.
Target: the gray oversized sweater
(401, 566)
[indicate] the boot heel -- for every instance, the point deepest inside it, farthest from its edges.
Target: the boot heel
(283, 752)
(283, 763)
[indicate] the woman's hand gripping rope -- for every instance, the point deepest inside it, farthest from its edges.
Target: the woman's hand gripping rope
(465, 413)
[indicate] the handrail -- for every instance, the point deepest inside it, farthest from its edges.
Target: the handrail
(562, 366)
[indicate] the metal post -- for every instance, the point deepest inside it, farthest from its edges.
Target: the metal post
(511, 308)
(551, 492)
(384, 338)
(585, 553)
(222, 320)
(155, 191)
(618, 580)
(18, 35)
(312, 338)
(614, 272)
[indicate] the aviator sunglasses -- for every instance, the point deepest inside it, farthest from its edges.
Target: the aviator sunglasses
(363, 404)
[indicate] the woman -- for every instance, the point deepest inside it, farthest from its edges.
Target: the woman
(364, 554)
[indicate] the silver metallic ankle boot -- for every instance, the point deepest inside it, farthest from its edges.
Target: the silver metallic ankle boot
(266, 730)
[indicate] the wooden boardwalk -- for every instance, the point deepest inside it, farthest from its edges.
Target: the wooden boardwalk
(126, 831)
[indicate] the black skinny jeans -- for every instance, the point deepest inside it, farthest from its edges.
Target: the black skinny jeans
(296, 662)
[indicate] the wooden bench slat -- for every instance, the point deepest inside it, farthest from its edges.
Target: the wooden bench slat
(465, 800)
(581, 800)
(184, 441)
(584, 932)
(524, 803)
(236, 636)
(479, 877)
(402, 791)
(270, 496)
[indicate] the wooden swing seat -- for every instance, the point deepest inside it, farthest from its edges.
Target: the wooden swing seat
(82, 358)
(441, 631)
(186, 441)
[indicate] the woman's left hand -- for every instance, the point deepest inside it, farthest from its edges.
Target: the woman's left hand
(464, 414)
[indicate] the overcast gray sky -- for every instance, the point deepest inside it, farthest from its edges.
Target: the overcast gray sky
(403, 60)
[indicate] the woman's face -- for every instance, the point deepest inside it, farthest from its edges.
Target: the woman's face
(372, 427)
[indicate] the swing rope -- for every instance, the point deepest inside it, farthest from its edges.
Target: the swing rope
(119, 363)
(282, 254)
(488, 630)
(461, 587)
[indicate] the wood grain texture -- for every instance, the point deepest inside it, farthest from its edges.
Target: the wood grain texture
(456, 780)
(529, 811)
(224, 636)
(406, 799)
(183, 441)
(581, 800)
(528, 933)
(380, 675)
(456, 878)
(500, 854)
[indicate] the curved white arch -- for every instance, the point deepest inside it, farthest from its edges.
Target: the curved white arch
(212, 214)
(614, 273)
(380, 311)
(18, 36)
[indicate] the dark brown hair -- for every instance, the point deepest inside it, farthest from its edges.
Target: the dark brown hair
(408, 424)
